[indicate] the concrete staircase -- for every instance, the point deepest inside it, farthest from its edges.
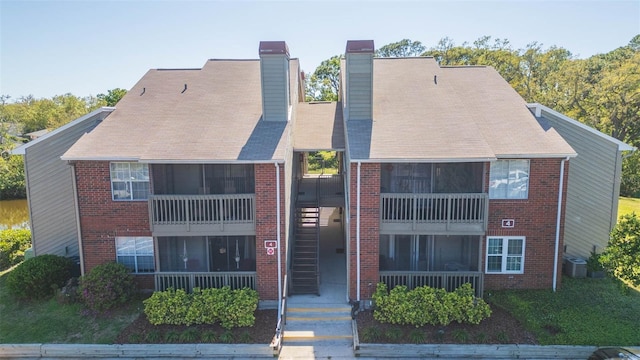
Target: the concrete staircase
(320, 325)
(304, 268)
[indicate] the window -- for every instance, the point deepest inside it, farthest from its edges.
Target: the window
(129, 181)
(136, 253)
(429, 253)
(505, 255)
(509, 179)
(207, 253)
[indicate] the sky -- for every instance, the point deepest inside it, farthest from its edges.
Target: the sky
(50, 48)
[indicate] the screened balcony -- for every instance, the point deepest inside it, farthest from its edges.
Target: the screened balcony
(438, 261)
(435, 198)
(202, 199)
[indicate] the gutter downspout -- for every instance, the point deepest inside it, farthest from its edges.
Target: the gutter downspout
(558, 217)
(358, 233)
(75, 204)
(278, 238)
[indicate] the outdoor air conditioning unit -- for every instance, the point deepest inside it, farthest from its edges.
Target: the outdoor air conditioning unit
(574, 267)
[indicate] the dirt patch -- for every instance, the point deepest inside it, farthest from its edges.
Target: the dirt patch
(499, 328)
(141, 332)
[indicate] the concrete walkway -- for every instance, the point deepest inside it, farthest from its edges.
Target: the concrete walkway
(319, 327)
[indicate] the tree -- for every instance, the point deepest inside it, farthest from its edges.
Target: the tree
(621, 257)
(324, 83)
(112, 97)
(402, 48)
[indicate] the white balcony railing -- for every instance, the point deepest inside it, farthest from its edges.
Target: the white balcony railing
(188, 281)
(448, 280)
(448, 211)
(188, 210)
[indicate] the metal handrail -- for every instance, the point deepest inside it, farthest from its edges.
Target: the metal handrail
(276, 342)
(317, 269)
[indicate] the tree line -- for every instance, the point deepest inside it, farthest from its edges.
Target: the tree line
(602, 91)
(28, 114)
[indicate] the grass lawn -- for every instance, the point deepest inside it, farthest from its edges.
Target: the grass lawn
(583, 312)
(628, 205)
(50, 322)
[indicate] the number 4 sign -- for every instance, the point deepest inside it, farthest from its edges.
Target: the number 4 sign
(271, 246)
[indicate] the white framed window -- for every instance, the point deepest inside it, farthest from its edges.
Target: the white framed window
(505, 254)
(136, 253)
(509, 179)
(129, 181)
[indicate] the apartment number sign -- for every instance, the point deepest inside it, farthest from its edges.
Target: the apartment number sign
(508, 223)
(271, 246)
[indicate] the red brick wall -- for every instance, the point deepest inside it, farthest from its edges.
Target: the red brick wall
(535, 218)
(266, 229)
(102, 219)
(369, 229)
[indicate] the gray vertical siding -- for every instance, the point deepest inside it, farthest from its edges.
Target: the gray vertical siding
(50, 190)
(592, 189)
(359, 86)
(275, 88)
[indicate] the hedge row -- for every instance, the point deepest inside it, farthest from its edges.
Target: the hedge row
(13, 244)
(230, 308)
(428, 306)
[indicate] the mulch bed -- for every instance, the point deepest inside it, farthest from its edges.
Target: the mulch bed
(499, 328)
(143, 332)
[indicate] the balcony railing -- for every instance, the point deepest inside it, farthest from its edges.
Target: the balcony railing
(188, 281)
(434, 212)
(448, 280)
(201, 212)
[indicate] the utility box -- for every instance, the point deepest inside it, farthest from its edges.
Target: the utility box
(574, 267)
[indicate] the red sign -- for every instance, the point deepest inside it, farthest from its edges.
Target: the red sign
(508, 223)
(271, 251)
(270, 244)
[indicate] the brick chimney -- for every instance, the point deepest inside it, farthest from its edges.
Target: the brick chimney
(274, 79)
(358, 95)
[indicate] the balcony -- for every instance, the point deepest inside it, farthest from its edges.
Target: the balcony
(448, 280)
(200, 215)
(190, 280)
(434, 213)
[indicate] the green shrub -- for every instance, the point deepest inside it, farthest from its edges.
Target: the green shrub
(230, 308)
(153, 337)
(13, 244)
(371, 334)
(417, 337)
(189, 336)
(39, 277)
(620, 257)
(227, 337)
(425, 305)
(209, 336)
(394, 334)
(107, 286)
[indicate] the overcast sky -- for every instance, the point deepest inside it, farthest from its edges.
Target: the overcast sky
(87, 47)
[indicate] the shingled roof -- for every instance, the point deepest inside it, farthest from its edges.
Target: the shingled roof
(212, 114)
(422, 112)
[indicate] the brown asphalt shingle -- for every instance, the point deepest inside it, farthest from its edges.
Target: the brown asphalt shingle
(319, 126)
(422, 112)
(216, 119)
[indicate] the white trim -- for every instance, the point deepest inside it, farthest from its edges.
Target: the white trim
(558, 218)
(424, 160)
(74, 186)
(505, 248)
(21, 150)
(538, 108)
(278, 238)
(358, 232)
(173, 161)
